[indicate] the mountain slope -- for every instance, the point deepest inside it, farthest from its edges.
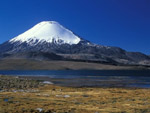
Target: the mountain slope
(32, 56)
(50, 37)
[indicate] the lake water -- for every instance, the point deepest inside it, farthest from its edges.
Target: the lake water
(92, 78)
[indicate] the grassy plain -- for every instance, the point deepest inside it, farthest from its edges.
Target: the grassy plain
(39, 98)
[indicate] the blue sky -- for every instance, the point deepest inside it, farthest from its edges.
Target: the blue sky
(121, 23)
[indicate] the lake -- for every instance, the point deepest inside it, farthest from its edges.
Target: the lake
(90, 78)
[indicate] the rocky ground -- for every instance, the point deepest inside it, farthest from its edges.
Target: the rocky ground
(9, 83)
(35, 97)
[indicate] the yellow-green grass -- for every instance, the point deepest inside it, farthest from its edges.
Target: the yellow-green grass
(51, 98)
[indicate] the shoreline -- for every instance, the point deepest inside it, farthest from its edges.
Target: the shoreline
(78, 83)
(74, 82)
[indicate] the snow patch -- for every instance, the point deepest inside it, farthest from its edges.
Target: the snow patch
(47, 82)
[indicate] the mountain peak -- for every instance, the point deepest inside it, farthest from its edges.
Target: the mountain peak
(48, 22)
(47, 31)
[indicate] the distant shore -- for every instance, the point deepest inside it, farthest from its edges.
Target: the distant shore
(24, 64)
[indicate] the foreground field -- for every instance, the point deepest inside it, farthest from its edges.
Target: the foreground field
(56, 99)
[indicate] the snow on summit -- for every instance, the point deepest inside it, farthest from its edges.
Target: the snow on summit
(49, 31)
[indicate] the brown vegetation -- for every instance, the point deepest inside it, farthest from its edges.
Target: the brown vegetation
(56, 99)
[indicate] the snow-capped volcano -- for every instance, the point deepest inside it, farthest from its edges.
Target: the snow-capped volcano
(50, 40)
(47, 31)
